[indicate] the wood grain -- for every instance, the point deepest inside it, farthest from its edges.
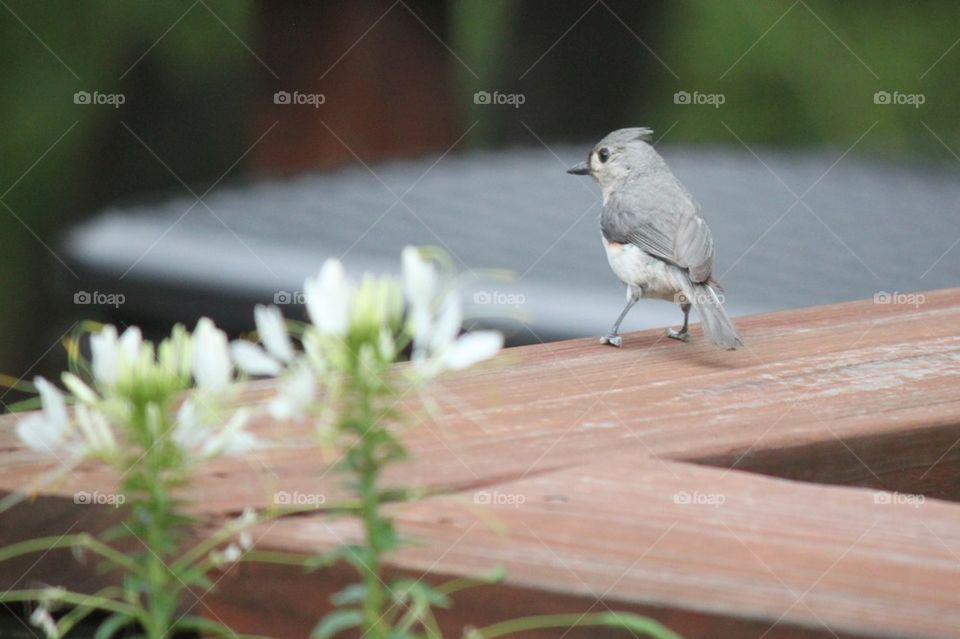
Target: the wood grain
(602, 443)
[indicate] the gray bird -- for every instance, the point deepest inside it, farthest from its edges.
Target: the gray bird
(656, 241)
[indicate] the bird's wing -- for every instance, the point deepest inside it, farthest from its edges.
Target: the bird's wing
(694, 248)
(661, 219)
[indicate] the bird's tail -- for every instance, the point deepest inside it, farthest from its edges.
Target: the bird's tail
(717, 325)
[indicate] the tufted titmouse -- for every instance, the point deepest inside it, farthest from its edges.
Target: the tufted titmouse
(656, 241)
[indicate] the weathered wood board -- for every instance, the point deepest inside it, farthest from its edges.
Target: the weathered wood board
(571, 464)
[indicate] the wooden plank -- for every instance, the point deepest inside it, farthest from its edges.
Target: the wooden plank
(754, 554)
(859, 394)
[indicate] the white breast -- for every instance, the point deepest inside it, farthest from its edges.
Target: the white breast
(637, 269)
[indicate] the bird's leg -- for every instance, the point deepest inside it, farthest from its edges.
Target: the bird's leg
(683, 334)
(613, 338)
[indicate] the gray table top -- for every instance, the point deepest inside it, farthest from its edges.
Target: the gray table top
(861, 227)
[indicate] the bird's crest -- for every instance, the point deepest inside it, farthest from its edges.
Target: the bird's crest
(623, 136)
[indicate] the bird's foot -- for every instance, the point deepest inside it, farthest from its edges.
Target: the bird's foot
(683, 336)
(612, 340)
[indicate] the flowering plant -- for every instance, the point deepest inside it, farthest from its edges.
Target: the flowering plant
(346, 381)
(150, 412)
(153, 412)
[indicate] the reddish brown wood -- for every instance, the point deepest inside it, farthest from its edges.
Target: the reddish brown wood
(598, 441)
(384, 75)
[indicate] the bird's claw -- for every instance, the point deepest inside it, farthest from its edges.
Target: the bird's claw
(683, 336)
(612, 340)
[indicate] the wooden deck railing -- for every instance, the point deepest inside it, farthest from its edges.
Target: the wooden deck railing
(800, 487)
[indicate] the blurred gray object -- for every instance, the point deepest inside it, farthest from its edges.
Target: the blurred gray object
(862, 227)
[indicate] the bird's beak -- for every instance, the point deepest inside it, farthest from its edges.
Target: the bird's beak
(581, 169)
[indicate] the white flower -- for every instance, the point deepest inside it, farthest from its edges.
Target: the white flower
(232, 553)
(438, 347)
(419, 277)
(47, 430)
(420, 288)
(212, 368)
(296, 392)
(188, 433)
(231, 438)
(327, 297)
(111, 354)
(96, 430)
(42, 619)
(273, 332)
(253, 359)
(79, 388)
(472, 348)
(206, 435)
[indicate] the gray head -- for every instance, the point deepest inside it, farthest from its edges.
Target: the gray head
(621, 154)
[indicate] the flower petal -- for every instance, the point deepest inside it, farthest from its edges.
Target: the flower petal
(212, 368)
(54, 405)
(253, 360)
(273, 332)
(447, 326)
(327, 297)
(232, 439)
(79, 388)
(419, 278)
(39, 434)
(296, 392)
(105, 352)
(472, 348)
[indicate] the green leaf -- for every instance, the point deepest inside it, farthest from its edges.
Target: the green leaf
(352, 594)
(336, 621)
(111, 625)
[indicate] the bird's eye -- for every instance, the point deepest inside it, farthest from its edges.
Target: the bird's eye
(603, 155)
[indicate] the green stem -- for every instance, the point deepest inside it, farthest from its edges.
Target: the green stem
(373, 625)
(75, 598)
(67, 622)
(630, 622)
(82, 540)
(154, 520)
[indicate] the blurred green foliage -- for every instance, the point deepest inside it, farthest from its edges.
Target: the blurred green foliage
(792, 72)
(48, 51)
(805, 73)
